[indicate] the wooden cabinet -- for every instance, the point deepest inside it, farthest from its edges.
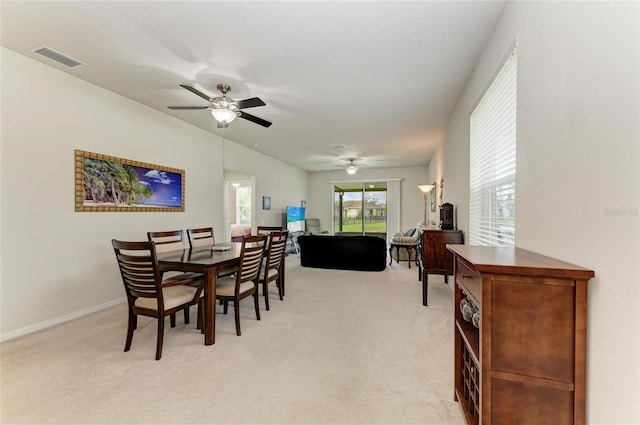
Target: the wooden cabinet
(434, 257)
(525, 362)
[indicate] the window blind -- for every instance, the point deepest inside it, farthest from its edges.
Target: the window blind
(492, 183)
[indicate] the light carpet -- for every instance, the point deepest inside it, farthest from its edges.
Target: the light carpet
(344, 347)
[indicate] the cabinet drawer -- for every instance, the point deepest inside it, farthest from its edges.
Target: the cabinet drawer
(469, 280)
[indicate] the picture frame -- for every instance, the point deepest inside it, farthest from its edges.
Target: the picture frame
(266, 202)
(105, 183)
(432, 197)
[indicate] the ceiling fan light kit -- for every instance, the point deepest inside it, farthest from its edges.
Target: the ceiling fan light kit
(351, 168)
(224, 116)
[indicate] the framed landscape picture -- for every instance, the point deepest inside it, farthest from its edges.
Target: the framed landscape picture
(106, 183)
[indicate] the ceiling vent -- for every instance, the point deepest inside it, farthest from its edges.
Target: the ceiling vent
(338, 146)
(49, 53)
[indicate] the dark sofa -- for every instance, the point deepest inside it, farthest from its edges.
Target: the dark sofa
(365, 253)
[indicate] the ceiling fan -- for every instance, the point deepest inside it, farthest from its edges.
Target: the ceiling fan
(223, 108)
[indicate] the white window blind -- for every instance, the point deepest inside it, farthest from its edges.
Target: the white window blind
(492, 186)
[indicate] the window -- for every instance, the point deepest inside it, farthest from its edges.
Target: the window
(360, 208)
(243, 205)
(492, 182)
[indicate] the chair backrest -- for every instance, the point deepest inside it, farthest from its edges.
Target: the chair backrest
(250, 258)
(265, 230)
(201, 237)
(277, 244)
(312, 225)
(139, 269)
(167, 241)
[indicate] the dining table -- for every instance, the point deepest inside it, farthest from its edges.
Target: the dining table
(208, 260)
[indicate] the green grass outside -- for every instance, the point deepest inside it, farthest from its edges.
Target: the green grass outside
(355, 226)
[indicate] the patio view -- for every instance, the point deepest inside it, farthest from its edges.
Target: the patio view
(360, 208)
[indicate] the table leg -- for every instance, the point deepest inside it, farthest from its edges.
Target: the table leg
(209, 306)
(425, 287)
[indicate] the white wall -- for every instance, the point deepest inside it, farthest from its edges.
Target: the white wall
(57, 263)
(320, 202)
(578, 161)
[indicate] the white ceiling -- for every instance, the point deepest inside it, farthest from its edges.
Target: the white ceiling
(380, 77)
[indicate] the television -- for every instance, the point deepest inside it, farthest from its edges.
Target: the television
(295, 219)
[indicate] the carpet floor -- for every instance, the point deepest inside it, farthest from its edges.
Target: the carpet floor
(344, 347)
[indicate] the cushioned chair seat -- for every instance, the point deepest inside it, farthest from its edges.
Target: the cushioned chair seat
(226, 286)
(173, 296)
(263, 272)
(400, 239)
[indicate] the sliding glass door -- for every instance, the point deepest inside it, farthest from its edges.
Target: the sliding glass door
(360, 208)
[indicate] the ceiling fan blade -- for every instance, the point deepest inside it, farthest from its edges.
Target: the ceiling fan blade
(255, 119)
(249, 103)
(196, 92)
(186, 108)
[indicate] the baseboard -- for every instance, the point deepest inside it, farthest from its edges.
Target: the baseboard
(58, 320)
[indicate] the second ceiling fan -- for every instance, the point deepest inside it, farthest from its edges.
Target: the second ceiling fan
(223, 108)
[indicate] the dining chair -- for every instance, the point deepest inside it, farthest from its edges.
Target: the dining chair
(204, 237)
(172, 240)
(245, 282)
(272, 267)
(147, 293)
(265, 230)
(201, 237)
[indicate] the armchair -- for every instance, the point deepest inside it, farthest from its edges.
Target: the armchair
(404, 245)
(312, 226)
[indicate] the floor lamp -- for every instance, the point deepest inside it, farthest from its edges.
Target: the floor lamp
(426, 188)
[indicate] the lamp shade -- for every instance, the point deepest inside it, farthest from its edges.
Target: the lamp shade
(224, 115)
(426, 188)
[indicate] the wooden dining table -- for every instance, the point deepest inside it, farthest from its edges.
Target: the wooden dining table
(210, 262)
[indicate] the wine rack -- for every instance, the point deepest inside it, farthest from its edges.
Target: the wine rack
(470, 386)
(509, 369)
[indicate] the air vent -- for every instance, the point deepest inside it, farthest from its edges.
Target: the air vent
(49, 53)
(338, 146)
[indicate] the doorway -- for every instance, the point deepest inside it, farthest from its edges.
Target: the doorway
(239, 202)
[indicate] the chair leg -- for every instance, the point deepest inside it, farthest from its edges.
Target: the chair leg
(131, 326)
(236, 308)
(160, 336)
(266, 295)
(255, 298)
(225, 307)
(186, 315)
(172, 320)
(279, 284)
